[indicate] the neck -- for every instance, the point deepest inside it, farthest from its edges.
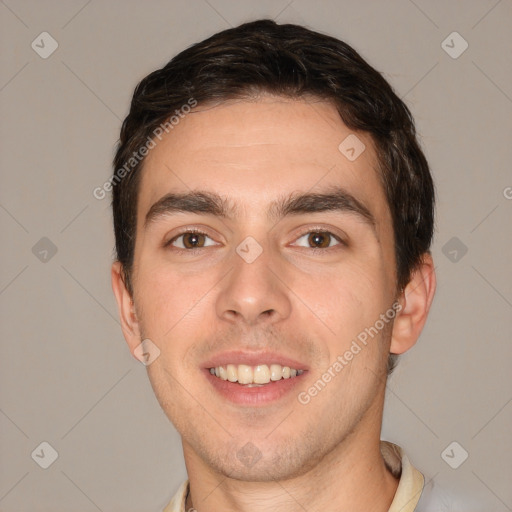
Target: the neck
(352, 477)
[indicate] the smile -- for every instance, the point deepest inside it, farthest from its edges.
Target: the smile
(257, 375)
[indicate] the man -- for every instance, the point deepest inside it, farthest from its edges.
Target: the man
(273, 216)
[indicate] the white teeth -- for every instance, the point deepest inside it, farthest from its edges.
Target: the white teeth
(261, 374)
(232, 372)
(252, 376)
(276, 372)
(223, 374)
(245, 374)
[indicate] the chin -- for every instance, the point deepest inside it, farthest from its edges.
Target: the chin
(274, 462)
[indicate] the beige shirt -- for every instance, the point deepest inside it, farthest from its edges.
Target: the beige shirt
(407, 496)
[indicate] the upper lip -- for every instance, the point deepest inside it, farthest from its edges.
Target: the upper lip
(253, 359)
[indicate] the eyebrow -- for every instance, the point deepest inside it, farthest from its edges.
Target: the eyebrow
(210, 203)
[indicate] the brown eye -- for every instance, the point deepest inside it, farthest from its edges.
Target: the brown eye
(191, 240)
(319, 240)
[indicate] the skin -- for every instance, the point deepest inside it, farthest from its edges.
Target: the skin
(301, 301)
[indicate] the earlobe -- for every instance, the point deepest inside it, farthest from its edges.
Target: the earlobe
(415, 300)
(126, 308)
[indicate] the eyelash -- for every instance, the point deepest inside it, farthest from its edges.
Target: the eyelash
(323, 232)
(199, 232)
(186, 232)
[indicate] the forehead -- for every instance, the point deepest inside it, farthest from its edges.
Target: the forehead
(251, 151)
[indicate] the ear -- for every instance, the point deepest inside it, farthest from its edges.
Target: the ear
(126, 308)
(415, 300)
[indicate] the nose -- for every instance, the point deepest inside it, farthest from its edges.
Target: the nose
(254, 292)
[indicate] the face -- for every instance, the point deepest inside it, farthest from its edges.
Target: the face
(263, 250)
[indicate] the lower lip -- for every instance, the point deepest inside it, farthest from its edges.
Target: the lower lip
(257, 395)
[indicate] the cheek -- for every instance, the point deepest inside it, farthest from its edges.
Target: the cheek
(352, 297)
(171, 304)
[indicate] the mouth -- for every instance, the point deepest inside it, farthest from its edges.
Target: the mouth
(252, 376)
(253, 379)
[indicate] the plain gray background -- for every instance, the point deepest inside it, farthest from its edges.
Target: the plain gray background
(66, 375)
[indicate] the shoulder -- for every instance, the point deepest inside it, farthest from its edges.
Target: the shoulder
(177, 504)
(416, 491)
(435, 498)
